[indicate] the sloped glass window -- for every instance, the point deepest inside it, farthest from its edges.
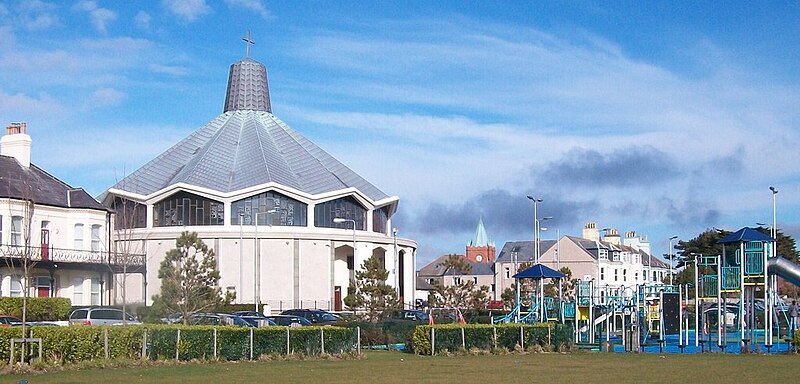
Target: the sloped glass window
(288, 212)
(184, 208)
(345, 208)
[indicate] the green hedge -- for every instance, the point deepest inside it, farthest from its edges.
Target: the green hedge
(39, 308)
(454, 337)
(80, 343)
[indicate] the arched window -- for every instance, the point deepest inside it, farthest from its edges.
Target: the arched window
(184, 208)
(129, 213)
(380, 217)
(346, 208)
(288, 211)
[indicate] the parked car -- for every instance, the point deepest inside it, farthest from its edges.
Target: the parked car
(410, 315)
(172, 318)
(100, 316)
(218, 319)
(290, 321)
(316, 316)
(8, 321)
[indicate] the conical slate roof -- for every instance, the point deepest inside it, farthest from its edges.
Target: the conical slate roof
(246, 146)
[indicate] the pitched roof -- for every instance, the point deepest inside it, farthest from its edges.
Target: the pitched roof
(18, 182)
(745, 234)
(435, 268)
(246, 146)
(524, 250)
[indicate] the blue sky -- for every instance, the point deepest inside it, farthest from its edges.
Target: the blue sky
(664, 118)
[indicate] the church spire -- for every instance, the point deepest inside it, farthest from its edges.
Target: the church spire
(247, 84)
(481, 239)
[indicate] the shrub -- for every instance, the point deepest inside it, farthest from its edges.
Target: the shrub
(505, 337)
(39, 308)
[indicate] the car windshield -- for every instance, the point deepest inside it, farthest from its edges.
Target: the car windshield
(328, 317)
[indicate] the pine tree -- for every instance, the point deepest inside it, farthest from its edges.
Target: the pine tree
(189, 279)
(370, 292)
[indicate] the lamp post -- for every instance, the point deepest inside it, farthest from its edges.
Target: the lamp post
(536, 202)
(671, 278)
(241, 255)
(339, 220)
(774, 217)
(395, 264)
(257, 262)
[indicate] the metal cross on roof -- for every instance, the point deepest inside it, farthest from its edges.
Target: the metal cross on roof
(248, 41)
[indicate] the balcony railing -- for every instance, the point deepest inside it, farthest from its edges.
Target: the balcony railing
(61, 255)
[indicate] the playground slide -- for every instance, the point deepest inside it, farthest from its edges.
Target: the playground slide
(785, 269)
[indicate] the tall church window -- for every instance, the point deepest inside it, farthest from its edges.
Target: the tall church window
(129, 214)
(346, 208)
(184, 208)
(380, 217)
(288, 212)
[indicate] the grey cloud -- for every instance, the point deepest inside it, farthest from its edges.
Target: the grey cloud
(639, 165)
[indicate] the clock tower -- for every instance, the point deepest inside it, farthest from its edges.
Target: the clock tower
(480, 249)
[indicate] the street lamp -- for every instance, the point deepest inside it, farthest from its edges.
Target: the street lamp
(536, 202)
(241, 256)
(774, 217)
(395, 265)
(670, 259)
(257, 262)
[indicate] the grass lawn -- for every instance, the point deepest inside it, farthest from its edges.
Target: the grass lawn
(396, 367)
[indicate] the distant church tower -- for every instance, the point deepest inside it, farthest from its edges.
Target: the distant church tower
(480, 249)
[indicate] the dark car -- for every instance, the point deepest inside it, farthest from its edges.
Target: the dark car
(411, 315)
(218, 319)
(316, 316)
(290, 321)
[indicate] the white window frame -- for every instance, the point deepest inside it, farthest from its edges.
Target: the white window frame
(77, 291)
(95, 232)
(1, 231)
(603, 254)
(16, 231)
(77, 235)
(15, 292)
(95, 294)
(615, 256)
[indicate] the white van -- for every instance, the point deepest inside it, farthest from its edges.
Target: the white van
(100, 316)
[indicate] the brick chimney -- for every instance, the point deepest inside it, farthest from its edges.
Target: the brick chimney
(17, 144)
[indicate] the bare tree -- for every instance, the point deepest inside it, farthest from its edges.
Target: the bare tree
(126, 252)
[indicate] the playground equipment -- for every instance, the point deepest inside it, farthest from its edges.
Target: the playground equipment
(733, 302)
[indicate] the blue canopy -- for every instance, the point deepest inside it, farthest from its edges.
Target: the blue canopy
(745, 234)
(539, 271)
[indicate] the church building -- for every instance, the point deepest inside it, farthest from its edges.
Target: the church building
(289, 224)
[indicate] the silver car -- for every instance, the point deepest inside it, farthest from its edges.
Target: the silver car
(100, 316)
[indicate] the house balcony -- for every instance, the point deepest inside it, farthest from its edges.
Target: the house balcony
(117, 262)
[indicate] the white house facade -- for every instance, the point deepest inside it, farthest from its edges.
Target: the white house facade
(62, 233)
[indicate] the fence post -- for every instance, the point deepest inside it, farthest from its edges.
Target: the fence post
(463, 340)
(433, 340)
(215, 342)
(521, 338)
(287, 341)
(105, 342)
(358, 338)
(177, 345)
(549, 339)
(494, 336)
(251, 343)
(144, 344)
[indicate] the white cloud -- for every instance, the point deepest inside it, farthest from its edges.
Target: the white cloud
(142, 20)
(252, 5)
(22, 104)
(100, 17)
(188, 10)
(35, 15)
(106, 97)
(169, 69)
